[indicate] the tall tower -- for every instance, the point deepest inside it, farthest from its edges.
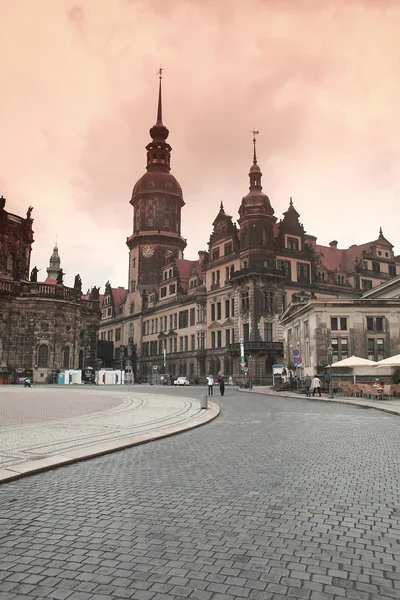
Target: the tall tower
(257, 218)
(157, 201)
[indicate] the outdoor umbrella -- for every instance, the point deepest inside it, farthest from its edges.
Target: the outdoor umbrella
(352, 362)
(392, 361)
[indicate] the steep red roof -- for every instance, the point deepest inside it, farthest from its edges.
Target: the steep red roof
(332, 258)
(185, 269)
(119, 294)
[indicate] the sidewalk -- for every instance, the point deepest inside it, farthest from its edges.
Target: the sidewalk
(139, 418)
(388, 406)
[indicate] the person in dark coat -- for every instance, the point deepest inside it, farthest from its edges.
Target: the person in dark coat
(222, 386)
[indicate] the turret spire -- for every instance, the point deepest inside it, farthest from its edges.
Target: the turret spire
(254, 132)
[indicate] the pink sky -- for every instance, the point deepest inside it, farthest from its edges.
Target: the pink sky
(319, 79)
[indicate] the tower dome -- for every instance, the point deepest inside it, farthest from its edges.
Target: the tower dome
(158, 177)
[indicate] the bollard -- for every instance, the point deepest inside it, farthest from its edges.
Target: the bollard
(204, 401)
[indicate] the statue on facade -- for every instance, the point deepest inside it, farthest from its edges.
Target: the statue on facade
(60, 277)
(29, 212)
(78, 283)
(34, 273)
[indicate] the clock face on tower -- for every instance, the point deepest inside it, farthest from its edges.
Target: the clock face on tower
(147, 251)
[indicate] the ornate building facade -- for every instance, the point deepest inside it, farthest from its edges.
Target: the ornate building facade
(44, 326)
(188, 317)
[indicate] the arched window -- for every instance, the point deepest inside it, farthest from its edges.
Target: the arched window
(66, 356)
(132, 308)
(43, 356)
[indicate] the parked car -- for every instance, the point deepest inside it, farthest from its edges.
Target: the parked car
(182, 381)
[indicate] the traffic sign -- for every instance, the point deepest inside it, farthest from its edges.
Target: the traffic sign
(298, 360)
(296, 352)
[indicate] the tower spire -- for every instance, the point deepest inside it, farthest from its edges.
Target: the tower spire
(159, 109)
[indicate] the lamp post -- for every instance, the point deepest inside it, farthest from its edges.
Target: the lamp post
(250, 372)
(330, 357)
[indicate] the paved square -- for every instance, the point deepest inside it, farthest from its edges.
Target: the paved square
(275, 499)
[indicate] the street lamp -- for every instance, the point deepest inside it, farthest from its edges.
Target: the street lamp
(250, 371)
(330, 357)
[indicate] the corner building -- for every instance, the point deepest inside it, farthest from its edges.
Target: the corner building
(45, 327)
(187, 317)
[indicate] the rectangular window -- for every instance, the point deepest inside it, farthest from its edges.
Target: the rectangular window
(172, 288)
(163, 292)
(366, 284)
(212, 312)
(181, 344)
(292, 243)
(183, 319)
(227, 337)
(215, 254)
(303, 272)
(246, 332)
(227, 273)
(170, 345)
(339, 349)
(219, 339)
(376, 349)
(232, 307)
(392, 270)
(375, 324)
(286, 267)
(176, 321)
(186, 343)
(171, 324)
(267, 332)
(175, 344)
(192, 316)
(118, 334)
(152, 326)
(339, 323)
(228, 249)
(219, 311)
(245, 301)
(376, 267)
(227, 307)
(306, 329)
(202, 340)
(213, 339)
(193, 342)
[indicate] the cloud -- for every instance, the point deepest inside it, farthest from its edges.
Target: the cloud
(319, 80)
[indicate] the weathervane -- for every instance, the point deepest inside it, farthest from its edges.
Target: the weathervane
(254, 132)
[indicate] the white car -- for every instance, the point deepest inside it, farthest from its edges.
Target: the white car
(182, 381)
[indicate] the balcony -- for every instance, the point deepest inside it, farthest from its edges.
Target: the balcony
(215, 286)
(257, 346)
(254, 270)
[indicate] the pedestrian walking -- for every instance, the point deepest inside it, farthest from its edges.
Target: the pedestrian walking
(307, 385)
(222, 386)
(317, 386)
(210, 383)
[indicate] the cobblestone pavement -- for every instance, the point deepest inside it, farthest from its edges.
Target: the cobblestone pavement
(275, 499)
(138, 413)
(20, 406)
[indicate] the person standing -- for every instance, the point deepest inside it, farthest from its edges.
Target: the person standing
(210, 383)
(222, 386)
(307, 385)
(317, 386)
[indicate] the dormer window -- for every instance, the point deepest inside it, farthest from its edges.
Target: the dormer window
(292, 243)
(215, 254)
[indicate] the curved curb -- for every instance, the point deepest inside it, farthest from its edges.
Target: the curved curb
(390, 411)
(52, 462)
